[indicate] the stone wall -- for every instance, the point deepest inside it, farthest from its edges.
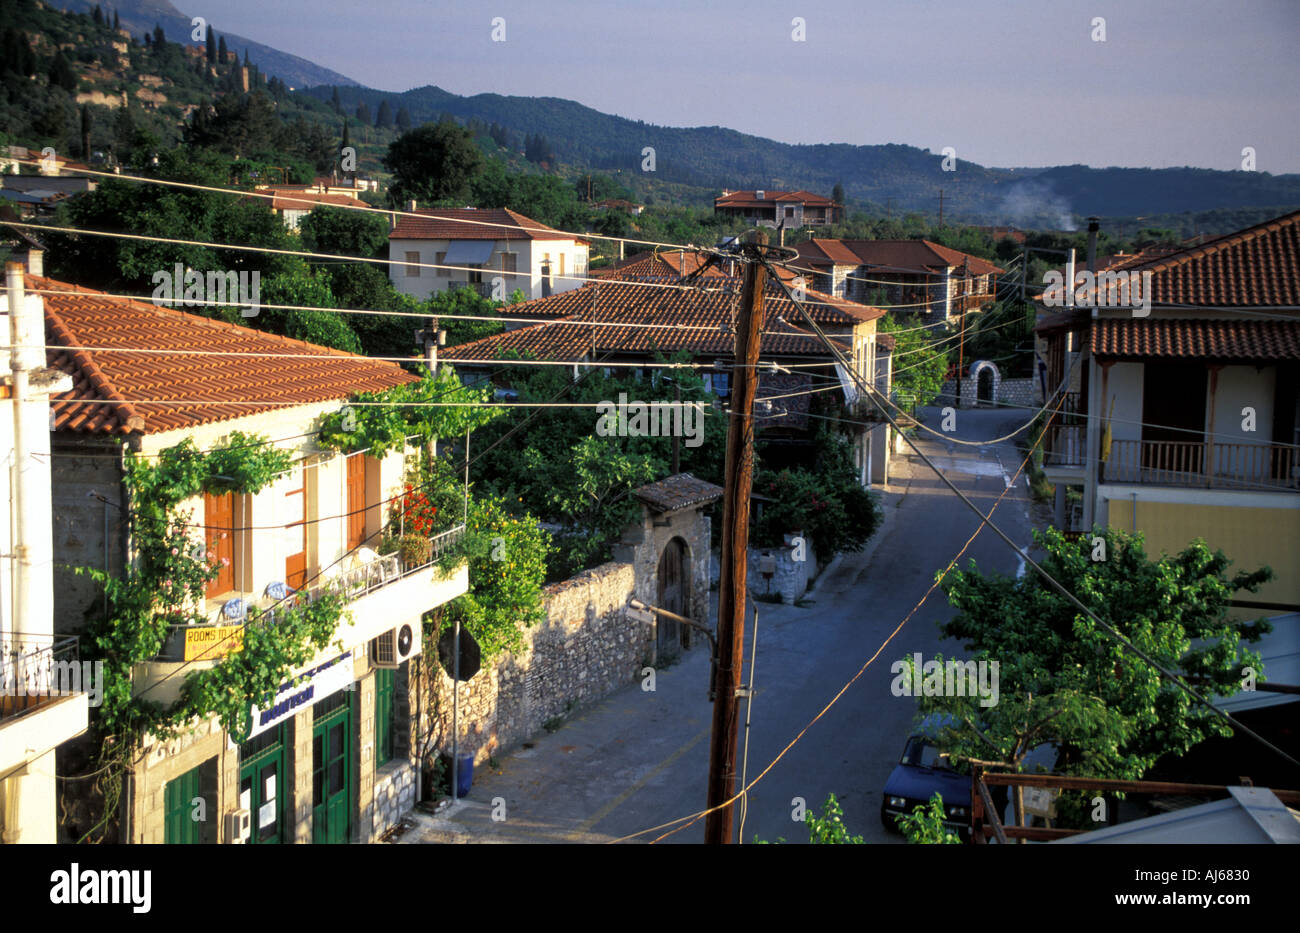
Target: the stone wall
(88, 527)
(790, 577)
(644, 544)
(1019, 392)
(585, 649)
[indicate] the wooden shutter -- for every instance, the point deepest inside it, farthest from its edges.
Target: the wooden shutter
(356, 500)
(219, 537)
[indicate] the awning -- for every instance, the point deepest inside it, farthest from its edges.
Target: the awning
(847, 382)
(469, 252)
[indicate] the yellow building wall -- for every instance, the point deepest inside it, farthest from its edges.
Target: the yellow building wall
(1251, 538)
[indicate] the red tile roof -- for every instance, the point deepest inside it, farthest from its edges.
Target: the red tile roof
(913, 256)
(667, 263)
(677, 492)
(305, 199)
(468, 223)
(128, 390)
(697, 320)
(1255, 267)
(1241, 339)
(750, 199)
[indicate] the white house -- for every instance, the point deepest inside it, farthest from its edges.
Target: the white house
(493, 251)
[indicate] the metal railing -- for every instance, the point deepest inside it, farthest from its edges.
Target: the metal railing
(35, 667)
(482, 289)
(361, 579)
(1183, 463)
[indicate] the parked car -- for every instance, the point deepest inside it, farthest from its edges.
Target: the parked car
(920, 773)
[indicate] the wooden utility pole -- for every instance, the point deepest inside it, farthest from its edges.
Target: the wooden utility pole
(735, 546)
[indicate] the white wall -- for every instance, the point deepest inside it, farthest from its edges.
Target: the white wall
(1240, 387)
(528, 265)
(1124, 385)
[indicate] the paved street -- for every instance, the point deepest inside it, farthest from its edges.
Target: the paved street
(639, 758)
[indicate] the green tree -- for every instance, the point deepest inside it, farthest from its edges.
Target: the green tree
(920, 361)
(1064, 680)
(433, 162)
(61, 73)
(384, 118)
(211, 45)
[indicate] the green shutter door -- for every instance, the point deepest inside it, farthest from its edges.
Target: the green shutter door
(261, 785)
(181, 828)
(331, 743)
(385, 678)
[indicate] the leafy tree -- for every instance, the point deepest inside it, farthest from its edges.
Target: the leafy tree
(920, 362)
(61, 73)
(1065, 680)
(826, 829)
(159, 38)
(337, 230)
(433, 162)
(924, 825)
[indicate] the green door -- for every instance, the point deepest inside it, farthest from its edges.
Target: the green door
(181, 827)
(261, 785)
(331, 745)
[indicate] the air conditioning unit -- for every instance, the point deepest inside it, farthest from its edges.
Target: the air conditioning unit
(239, 826)
(393, 647)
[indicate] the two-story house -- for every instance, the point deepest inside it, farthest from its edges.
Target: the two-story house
(632, 320)
(916, 276)
(334, 758)
(493, 251)
(1183, 415)
(788, 209)
(43, 697)
(294, 202)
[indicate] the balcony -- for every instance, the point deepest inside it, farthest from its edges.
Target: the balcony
(1206, 465)
(382, 590)
(43, 701)
(482, 289)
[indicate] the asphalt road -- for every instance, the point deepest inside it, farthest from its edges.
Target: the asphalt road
(639, 759)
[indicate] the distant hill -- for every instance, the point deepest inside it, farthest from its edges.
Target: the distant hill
(140, 16)
(907, 176)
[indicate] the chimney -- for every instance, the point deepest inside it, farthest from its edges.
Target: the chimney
(1093, 226)
(410, 206)
(36, 262)
(758, 195)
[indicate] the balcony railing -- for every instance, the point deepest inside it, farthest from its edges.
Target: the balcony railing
(36, 667)
(368, 573)
(1183, 463)
(483, 289)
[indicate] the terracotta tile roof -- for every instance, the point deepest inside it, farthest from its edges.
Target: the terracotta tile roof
(468, 223)
(821, 252)
(695, 320)
(1255, 267)
(305, 199)
(667, 263)
(134, 392)
(914, 256)
(1241, 339)
(677, 492)
(750, 198)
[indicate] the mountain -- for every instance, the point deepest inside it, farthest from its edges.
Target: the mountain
(909, 177)
(140, 16)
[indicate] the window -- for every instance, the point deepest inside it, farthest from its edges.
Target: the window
(509, 262)
(561, 264)
(440, 259)
(412, 264)
(789, 213)
(295, 530)
(385, 725)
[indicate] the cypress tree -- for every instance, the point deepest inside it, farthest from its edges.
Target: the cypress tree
(211, 43)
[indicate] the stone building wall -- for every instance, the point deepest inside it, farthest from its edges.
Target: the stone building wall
(585, 649)
(790, 577)
(87, 530)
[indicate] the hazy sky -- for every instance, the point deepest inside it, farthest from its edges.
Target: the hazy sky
(1005, 82)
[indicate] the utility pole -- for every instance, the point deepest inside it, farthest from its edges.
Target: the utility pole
(430, 337)
(735, 543)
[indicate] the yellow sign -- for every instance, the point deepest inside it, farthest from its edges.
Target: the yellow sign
(209, 642)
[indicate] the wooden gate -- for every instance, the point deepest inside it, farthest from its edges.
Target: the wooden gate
(673, 589)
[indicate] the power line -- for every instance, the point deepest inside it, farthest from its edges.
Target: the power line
(1048, 578)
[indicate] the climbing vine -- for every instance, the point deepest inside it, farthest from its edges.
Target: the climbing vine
(437, 405)
(165, 585)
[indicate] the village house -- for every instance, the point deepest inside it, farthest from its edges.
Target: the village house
(786, 209)
(493, 251)
(634, 319)
(916, 276)
(1181, 418)
(333, 760)
(43, 699)
(294, 202)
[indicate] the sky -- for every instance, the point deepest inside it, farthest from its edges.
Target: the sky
(1006, 84)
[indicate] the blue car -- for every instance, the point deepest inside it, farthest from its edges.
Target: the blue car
(920, 773)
